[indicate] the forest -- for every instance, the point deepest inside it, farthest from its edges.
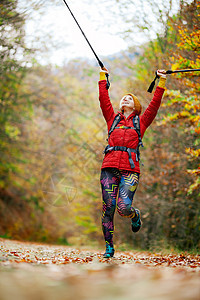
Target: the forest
(52, 132)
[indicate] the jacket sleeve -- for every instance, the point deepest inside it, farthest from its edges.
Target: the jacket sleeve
(105, 103)
(150, 113)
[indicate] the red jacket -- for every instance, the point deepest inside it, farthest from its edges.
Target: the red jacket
(125, 137)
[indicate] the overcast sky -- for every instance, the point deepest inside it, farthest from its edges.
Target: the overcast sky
(68, 41)
(100, 21)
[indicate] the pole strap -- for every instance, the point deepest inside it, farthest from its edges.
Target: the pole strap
(150, 89)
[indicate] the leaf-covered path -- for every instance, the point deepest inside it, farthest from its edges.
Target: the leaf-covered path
(35, 271)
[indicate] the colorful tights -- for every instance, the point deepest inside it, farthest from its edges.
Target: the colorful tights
(113, 181)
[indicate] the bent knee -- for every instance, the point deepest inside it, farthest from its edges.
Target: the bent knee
(125, 211)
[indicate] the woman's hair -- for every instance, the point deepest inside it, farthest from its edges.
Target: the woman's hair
(138, 106)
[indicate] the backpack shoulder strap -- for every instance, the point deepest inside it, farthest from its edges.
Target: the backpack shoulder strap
(136, 125)
(114, 124)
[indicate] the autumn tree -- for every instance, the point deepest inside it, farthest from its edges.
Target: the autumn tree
(14, 56)
(16, 108)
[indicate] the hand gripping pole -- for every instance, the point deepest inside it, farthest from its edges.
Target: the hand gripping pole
(150, 89)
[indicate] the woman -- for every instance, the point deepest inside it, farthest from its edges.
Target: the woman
(120, 170)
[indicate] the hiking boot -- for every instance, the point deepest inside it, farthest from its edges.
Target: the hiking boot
(136, 221)
(109, 251)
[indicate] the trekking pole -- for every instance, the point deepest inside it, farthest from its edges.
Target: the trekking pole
(99, 61)
(150, 89)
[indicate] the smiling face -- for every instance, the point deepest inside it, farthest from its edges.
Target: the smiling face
(127, 102)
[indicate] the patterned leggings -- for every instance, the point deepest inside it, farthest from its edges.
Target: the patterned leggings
(112, 181)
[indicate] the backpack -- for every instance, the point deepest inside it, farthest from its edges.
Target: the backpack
(136, 127)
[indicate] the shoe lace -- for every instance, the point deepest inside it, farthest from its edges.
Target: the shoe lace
(136, 222)
(109, 248)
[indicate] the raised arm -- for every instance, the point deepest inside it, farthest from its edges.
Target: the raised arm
(105, 103)
(150, 113)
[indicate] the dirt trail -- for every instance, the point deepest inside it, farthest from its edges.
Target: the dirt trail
(34, 271)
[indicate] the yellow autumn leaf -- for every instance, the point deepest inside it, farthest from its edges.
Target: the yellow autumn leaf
(175, 66)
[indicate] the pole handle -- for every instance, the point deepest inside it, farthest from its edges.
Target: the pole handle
(107, 75)
(100, 63)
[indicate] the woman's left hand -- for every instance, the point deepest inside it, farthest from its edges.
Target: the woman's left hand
(161, 73)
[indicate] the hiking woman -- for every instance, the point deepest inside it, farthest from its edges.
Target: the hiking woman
(120, 169)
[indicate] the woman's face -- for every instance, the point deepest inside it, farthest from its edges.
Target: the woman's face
(127, 101)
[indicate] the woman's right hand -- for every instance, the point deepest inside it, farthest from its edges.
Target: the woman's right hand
(104, 69)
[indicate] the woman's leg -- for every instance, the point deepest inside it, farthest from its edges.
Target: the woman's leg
(109, 184)
(127, 188)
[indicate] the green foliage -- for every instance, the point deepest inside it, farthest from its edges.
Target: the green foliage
(63, 241)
